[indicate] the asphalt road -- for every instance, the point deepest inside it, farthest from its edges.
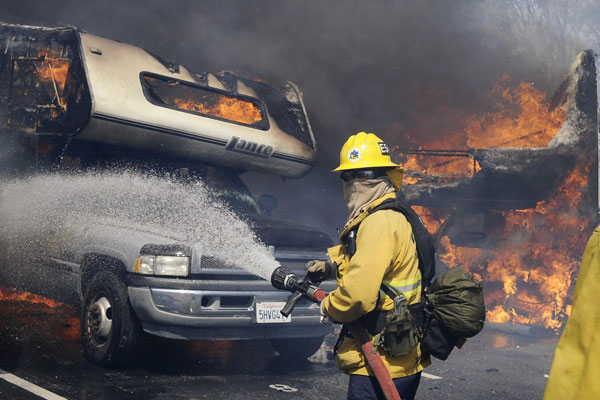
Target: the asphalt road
(41, 357)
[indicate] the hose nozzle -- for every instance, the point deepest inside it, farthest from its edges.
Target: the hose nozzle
(284, 279)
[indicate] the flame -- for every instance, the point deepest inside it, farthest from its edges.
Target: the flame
(13, 295)
(432, 223)
(442, 167)
(521, 119)
(203, 101)
(528, 278)
(229, 108)
(53, 69)
(64, 322)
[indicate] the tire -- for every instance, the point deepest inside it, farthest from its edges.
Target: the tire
(109, 329)
(298, 348)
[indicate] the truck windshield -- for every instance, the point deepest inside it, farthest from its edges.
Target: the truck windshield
(208, 102)
(230, 189)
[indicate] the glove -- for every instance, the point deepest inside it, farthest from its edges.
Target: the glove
(319, 270)
(324, 317)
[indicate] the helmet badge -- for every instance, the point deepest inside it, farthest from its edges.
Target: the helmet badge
(385, 150)
(354, 155)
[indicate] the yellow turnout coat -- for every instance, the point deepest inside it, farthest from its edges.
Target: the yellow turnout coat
(575, 370)
(385, 252)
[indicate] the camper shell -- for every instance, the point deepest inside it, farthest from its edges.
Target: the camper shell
(62, 87)
(70, 101)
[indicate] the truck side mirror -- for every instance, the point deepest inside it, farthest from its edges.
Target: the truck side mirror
(268, 202)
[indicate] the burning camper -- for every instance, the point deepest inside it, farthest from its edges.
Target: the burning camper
(518, 217)
(63, 90)
(137, 252)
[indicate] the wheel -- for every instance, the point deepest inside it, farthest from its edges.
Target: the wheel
(109, 329)
(297, 348)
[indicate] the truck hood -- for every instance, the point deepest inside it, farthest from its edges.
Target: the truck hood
(280, 233)
(271, 231)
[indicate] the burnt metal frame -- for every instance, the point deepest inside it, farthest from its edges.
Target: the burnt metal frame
(442, 153)
(264, 123)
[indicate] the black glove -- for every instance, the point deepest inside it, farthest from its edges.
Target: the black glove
(319, 270)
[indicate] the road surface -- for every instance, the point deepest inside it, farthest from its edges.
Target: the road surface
(41, 357)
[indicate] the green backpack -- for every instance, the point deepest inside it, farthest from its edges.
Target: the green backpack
(455, 310)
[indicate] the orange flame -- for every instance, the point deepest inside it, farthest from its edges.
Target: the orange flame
(229, 108)
(53, 69)
(442, 167)
(429, 219)
(522, 119)
(25, 306)
(529, 277)
(13, 295)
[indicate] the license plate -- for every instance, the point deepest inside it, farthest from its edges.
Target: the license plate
(270, 313)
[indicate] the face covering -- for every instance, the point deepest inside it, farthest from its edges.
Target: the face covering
(359, 193)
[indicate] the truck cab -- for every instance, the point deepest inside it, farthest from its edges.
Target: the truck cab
(72, 102)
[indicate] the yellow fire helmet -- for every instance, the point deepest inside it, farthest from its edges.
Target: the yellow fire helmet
(366, 150)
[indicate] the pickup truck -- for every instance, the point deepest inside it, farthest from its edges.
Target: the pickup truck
(72, 102)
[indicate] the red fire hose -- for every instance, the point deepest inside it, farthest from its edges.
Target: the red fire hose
(359, 334)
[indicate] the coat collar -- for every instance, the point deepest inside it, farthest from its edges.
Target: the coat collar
(365, 212)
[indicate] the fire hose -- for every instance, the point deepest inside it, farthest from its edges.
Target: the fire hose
(284, 279)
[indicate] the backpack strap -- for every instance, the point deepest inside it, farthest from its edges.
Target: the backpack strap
(415, 309)
(350, 241)
(389, 291)
(424, 241)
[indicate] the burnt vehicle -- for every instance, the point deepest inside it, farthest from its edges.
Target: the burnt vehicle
(513, 178)
(70, 101)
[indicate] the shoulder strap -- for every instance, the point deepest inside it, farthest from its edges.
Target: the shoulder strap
(349, 240)
(424, 240)
(389, 291)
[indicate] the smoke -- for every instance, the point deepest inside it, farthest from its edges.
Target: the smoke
(381, 66)
(61, 212)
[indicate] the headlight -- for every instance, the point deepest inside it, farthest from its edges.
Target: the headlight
(171, 265)
(162, 265)
(145, 265)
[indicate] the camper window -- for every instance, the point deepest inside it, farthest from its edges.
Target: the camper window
(208, 102)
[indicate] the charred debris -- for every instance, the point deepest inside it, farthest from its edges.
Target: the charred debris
(515, 178)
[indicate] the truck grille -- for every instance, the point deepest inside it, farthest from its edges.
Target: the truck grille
(290, 253)
(293, 258)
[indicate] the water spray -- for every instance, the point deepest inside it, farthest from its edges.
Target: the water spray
(61, 205)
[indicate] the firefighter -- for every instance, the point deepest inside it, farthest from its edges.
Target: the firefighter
(575, 372)
(376, 249)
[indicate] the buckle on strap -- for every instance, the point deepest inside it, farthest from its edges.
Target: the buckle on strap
(377, 340)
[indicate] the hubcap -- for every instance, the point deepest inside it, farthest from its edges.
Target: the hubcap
(99, 320)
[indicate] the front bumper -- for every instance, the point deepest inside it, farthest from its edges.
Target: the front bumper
(206, 309)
